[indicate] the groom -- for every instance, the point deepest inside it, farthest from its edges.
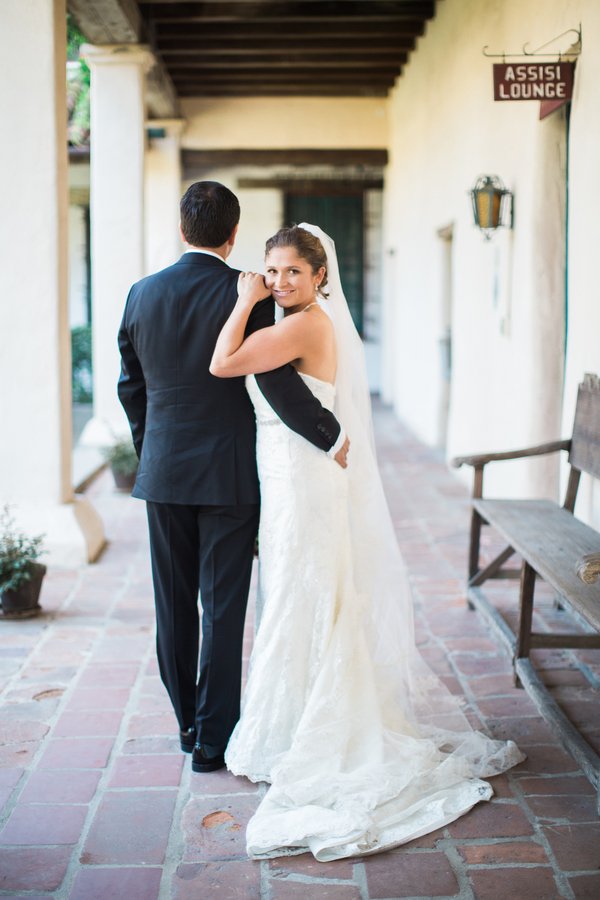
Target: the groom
(195, 437)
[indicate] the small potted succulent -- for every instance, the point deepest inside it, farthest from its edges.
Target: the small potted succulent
(21, 575)
(123, 462)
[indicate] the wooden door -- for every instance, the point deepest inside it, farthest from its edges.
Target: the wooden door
(342, 217)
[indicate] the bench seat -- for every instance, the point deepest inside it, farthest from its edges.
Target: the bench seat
(554, 546)
(552, 541)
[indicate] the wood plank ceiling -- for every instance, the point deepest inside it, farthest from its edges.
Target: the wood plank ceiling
(327, 48)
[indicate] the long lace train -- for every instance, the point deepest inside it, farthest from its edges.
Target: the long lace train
(363, 746)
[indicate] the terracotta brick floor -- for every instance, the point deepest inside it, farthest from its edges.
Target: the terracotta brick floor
(98, 802)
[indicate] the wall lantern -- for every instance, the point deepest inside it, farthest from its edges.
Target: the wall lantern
(492, 204)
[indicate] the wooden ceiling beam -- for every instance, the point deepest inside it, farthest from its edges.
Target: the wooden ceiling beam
(248, 63)
(267, 84)
(367, 156)
(332, 28)
(309, 47)
(286, 72)
(248, 90)
(324, 29)
(234, 10)
(171, 48)
(305, 27)
(315, 186)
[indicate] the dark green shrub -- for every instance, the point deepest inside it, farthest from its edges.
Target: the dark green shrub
(81, 362)
(122, 457)
(17, 553)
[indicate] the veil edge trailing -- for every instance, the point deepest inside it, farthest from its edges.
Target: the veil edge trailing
(379, 572)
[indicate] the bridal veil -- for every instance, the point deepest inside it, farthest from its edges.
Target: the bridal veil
(382, 752)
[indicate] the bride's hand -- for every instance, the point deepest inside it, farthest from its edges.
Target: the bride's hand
(251, 288)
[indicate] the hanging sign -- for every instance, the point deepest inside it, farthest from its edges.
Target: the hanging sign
(533, 81)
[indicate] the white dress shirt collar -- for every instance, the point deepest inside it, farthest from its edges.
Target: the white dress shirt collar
(207, 253)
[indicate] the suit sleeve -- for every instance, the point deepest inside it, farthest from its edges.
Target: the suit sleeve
(290, 397)
(132, 385)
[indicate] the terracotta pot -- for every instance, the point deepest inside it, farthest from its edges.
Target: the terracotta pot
(124, 482)
(22, 603)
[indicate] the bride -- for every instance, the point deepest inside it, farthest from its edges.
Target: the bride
(363, 746)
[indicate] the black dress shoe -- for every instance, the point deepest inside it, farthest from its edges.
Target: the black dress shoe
(187, 739)
(203, 761)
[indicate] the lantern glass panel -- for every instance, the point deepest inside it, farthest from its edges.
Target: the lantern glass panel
(488, 208)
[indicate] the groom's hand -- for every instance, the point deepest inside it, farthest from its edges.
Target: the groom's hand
(341, 456)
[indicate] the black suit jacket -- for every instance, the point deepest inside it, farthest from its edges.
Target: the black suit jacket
(194, 433)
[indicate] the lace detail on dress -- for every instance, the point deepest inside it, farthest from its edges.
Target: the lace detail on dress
(352, 771)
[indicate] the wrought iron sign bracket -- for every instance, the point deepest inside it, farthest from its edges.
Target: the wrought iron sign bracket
(574, 49)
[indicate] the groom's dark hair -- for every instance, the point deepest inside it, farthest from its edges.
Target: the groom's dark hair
(209, 213)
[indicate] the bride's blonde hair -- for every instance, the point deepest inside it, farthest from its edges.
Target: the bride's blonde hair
(306, 245)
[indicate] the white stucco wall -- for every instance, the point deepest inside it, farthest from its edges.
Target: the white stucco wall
(78, 312)
(373, 286)
(162, 190)
(507, 296)
(35, 401)
(284, 122)
(262, 214)
(33, 277)
(583, 354)
(79, 201)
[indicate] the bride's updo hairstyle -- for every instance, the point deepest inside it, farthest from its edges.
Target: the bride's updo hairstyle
(306, 245)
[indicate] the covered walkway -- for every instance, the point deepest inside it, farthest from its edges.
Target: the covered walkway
(97, 801)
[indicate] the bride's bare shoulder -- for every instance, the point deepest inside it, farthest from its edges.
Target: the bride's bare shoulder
(324, 324)
(312, 320)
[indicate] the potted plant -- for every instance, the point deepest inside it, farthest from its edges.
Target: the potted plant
(21, 575)
(123, 462)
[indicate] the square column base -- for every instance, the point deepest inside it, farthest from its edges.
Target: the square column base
(73, 532)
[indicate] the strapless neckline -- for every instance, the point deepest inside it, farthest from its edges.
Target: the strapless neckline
(314, 378)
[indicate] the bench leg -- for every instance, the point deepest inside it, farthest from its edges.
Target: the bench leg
(525, 615)
(474, 541)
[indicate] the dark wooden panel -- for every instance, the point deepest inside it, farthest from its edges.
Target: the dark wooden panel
(308, 157)
(341, 217)
(315, 186)
(285, 69)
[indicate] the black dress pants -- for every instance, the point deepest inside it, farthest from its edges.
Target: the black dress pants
(207, 549)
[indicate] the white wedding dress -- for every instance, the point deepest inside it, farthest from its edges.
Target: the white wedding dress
(363, 746)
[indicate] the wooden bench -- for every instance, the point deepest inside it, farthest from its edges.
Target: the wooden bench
(553, 545)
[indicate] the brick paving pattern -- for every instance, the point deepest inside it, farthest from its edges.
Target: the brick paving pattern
(97, 801)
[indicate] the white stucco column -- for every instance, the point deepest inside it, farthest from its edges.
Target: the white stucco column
(116, 214)
(35, 362)
(162, 193)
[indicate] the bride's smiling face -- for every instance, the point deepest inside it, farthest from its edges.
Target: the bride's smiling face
(290, 278)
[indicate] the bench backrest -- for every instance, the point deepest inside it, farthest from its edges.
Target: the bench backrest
(585, 443)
